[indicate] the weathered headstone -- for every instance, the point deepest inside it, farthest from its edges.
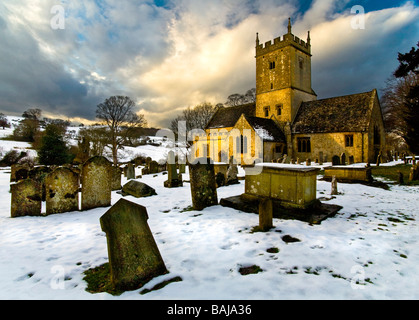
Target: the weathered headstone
(232, 173)
(220, 179)
(134, 257)
(172, 177)
(321, 158)
(130, 171)
(308, 162)
(62, 191)
(265, 214)
(334, 186)
(400, 178)
(154, 167)
(203, 187)
(116, 178)
(138, 189)
(26, 198)
(351, 159)
(96, 183)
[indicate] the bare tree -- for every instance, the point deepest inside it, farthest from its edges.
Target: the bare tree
(118, 114)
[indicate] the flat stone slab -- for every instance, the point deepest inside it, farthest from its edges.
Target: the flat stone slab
(314, 215)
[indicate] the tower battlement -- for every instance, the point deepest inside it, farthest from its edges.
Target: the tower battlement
(278, 43)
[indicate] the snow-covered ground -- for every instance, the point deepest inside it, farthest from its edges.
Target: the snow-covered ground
(368, 251)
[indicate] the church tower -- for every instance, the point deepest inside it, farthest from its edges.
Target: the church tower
(283, 77)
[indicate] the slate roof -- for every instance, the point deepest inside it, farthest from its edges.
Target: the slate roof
(227, 117)
(350, 113)
(267, 129)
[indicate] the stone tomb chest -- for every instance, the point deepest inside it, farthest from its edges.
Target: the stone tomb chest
(350, 173)
(294, 186)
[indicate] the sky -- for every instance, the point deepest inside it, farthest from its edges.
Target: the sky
(65, 57)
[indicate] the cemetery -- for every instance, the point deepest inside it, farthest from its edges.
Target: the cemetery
(148, 233)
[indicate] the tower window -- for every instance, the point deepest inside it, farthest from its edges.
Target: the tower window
(271, 65)
(266, 110)
(279, 109)
(349, 140)
(272, 86)
(304, 145)
(301, 62)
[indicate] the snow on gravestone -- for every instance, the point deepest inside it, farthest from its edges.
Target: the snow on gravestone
(96, 183)
(203, 187)
(62, 191)
(134, 257)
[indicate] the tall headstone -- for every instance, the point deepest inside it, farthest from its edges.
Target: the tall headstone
(130, 171)
(203, 187)
(134, 257)
(334, 186)
(173, 180)
(265, 214)
(321, 158)
(116, 178)
(62, 191)
(26, 198)
(96, 183)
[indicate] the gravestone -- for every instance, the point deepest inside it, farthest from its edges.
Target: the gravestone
(351, 160)
(116, 178)
(138, 189)
(203, 187)
(265, 214)
(321, 158)
(335, 160)
(26, 198)
(232, 173)
(134, 257)
(220, 179)
(172, 177)
(62, 191)
(400, 178)
(39, 174)
(153, 167)
(334, 186)
(96, 183)
(378, 160)
(130, 171)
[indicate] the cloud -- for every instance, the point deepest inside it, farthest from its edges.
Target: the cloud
(168, 55)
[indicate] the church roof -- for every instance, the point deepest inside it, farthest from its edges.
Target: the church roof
(266, 129)
(227, 117)
(350, 113)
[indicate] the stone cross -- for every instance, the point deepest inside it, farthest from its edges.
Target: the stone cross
(134, 257)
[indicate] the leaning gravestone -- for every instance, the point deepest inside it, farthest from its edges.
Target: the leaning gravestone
(26, 198)
(62, 191)
(173, 180)
(138, 189)
(134, 257)
(203, 187)
(96, 183)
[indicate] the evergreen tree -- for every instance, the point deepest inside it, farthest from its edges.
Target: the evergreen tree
(53, 149)
(409, 64)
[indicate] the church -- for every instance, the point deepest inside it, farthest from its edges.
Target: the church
(288, 119)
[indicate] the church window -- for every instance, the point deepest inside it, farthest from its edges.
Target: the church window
(279, 109)
(376, 135)
(266, 110)
(301, 62)
(349, 140)
(272, 86)
(241, 144)
(272, 65)
(304, 145)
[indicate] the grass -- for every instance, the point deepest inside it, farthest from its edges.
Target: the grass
(392, 173)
